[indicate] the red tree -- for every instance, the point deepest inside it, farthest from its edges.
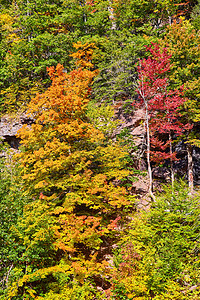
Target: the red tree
(162, 106)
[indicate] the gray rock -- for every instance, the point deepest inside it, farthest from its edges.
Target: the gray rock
(9, 127)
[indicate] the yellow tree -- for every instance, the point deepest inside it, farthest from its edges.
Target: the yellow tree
(73, 180)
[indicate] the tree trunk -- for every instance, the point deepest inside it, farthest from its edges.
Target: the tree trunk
(111, 17)
(148, 154)
(170, 18)
(171, 160)
(190, 169)
(148, 143)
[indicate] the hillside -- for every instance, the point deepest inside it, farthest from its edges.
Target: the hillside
(100, 149)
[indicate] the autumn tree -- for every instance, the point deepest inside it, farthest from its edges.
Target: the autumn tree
(73, 179)
(161, 105)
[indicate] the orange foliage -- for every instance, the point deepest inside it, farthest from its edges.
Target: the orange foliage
(66, 165)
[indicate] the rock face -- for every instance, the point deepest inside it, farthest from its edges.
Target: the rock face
(135, 123)
(9, 127)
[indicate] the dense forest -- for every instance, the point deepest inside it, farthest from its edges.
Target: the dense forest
(72, 224)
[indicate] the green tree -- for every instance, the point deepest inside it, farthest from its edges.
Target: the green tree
(12, 200)
(184, 44)
(195, 15)
(35, 41)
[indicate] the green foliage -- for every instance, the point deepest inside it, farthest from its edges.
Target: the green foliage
(183, 42)
(119, 291)
(39, 34)
(102, 116)
(159, 256)
(75, 291)
(12, 200)
(195, 16)
(145, 17)
(34, 40)
(116, 60)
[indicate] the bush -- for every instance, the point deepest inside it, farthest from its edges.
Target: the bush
(159, 255)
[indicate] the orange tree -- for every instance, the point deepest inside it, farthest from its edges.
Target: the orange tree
(73, 180)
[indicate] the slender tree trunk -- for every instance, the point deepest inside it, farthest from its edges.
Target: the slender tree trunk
(148, 154)
(190, 169)
(28, 15)
(111, 17)
(8, 274)
(148, 143)
(171, 160)
(28, 12)
(169, 18)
